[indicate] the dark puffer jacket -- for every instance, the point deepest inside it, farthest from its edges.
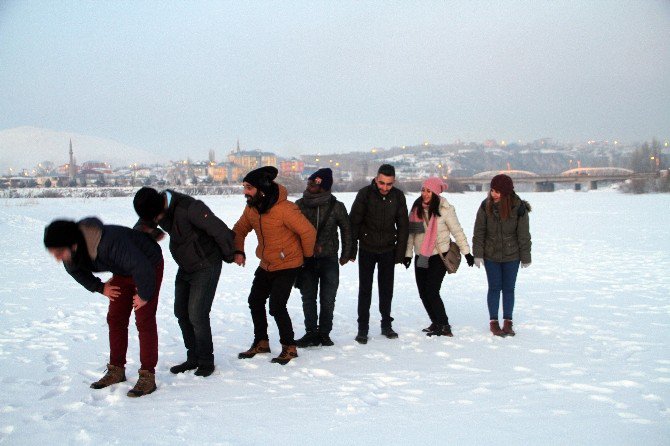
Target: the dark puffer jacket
(380, 222)
(198, 238)
(503, 240)
(328, 239)
(119, 250)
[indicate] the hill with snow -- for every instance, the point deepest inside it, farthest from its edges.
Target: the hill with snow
(25, 147)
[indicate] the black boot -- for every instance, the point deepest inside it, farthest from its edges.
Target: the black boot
(310, 339)
(184, 367)
(362, 337)
(389, 333)
(432, 327)
(204, 370)
(441, 330)
(326, 341)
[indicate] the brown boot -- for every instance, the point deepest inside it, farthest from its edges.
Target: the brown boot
(288, 352)
(261, 346)
(145, 385)
(507, 327)
(495, 328)
(114, 375)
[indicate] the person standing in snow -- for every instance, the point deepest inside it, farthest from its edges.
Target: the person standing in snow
(501, 241)
(379, 223)
(199, 242)
(285, 239)
(136, 262)
(327, 215)
(432, 221)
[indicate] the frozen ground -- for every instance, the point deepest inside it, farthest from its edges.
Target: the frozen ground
(590, 363)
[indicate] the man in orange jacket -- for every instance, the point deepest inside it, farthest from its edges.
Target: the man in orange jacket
(285, 238)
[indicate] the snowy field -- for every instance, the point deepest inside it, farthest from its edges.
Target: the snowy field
(590, 363)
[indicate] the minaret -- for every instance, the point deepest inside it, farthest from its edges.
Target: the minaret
(238, 145)
(72, 168)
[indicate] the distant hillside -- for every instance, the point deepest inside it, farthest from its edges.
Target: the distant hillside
(25, 147)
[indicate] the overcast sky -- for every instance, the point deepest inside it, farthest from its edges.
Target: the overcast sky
(181, 78)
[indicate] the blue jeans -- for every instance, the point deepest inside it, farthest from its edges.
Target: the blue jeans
(501, 277)
(193, 297)
(367, 261)
(327, 271)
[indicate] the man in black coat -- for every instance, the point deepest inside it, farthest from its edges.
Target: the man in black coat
(379, 222)
(327, 215)
(136, 262)
(199, 242)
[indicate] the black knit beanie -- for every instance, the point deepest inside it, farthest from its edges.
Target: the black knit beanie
(262, 178)
(323, 177)
(61, 234)
(148, 203)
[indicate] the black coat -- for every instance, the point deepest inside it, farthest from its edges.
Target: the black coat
(198, 238)
(380, 223)
(119, 250)
(328, 240)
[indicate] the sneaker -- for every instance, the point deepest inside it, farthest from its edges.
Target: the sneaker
(114, 375)
(259, 346)
(310, 339)
(389, 333)
(204, 370)
(288, 352)
(326, 341)
(183, 367)
(145, 385)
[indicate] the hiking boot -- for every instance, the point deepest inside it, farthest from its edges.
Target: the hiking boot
(389, 333)
(183, 367)
(495, 328)
(326, 341)
(114, 375)
(259, 346)
(431, 327)
(145, 385)
(442, 330)
(362, 337)
(288, 352)
(204, 370)
(310, 339)
(507, 327)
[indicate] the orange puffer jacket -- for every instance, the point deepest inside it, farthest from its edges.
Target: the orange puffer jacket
(284, 235)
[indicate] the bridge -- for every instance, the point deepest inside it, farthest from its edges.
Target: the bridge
(546, 182)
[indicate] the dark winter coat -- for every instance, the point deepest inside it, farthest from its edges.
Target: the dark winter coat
(119, 250)
(198, 238)
(503, 240)
(380, 223)
(328, 240)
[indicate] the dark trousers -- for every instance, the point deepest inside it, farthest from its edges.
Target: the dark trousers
(429, 281)
(118, 318)
(275, 285)
(366, 268)
(327, 271)
(193, 297)
(501, 277)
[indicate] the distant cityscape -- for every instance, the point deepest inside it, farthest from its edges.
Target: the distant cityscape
(412, 163)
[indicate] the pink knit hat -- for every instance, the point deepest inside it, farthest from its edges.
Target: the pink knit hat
(435, 185)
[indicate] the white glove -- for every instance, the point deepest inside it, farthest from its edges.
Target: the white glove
(525, 265)
(478, 262)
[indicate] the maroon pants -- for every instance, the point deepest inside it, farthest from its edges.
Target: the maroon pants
(118, 318)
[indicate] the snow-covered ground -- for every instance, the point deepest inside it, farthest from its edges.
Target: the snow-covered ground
(590, 363)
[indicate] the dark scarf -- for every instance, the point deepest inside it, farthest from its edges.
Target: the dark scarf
(264, 203)
(316, 200)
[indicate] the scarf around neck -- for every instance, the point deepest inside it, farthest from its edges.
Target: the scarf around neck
(316, 200)
(418, 225)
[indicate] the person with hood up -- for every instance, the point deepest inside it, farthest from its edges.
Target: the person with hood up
(285, 239)
(136, 262)
(432, 221)
(501, 241)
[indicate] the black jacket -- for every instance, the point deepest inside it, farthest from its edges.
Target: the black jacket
(328, 240)
(198, 238)
(116, 249)
(380, 223)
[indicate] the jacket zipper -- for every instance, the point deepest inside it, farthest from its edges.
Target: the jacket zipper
(260, 226)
